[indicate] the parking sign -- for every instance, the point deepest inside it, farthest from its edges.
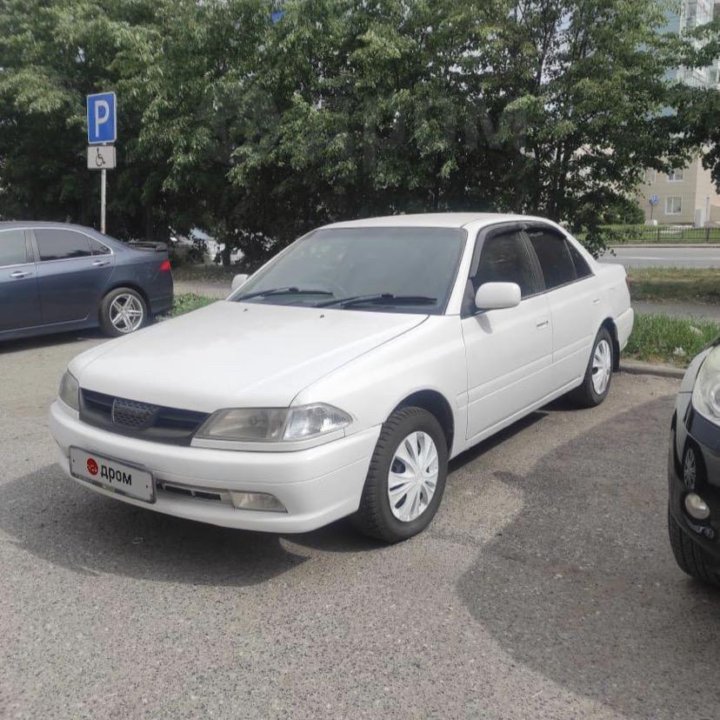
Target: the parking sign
(101, 118)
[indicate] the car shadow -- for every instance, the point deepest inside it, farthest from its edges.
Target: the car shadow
(562, 404)
(42, 341)
(468, 456)
(48, 515)
(338, 537)
(582, 588)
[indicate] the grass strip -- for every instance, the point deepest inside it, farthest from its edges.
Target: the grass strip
(187, 302)
(675, 284)
(673, 341)
(199, 273)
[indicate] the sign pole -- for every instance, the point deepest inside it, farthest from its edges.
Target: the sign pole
(103, 183)
(653, 200)
(102, 134)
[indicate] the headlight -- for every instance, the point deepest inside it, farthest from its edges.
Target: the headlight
(274, 424)
(69, 391)
(706, 393)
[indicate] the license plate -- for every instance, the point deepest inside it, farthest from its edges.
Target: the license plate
(112, 475)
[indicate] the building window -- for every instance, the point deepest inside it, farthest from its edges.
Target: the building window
(675, 176)
(673, 205)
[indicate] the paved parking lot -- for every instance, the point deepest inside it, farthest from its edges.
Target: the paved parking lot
(544, 589)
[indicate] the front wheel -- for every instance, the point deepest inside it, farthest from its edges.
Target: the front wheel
(406, 478)
(122, 311)
(598, 375)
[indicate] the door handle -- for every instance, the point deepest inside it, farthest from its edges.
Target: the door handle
(20, 274)
(596, 301)
(542, 323)
(100, 263)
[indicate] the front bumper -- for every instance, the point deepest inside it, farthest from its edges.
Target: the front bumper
(317, 486)
(693, 431)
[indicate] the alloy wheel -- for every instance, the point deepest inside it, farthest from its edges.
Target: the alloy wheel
(126, 313)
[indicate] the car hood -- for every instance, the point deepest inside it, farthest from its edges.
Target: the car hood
(235, 354)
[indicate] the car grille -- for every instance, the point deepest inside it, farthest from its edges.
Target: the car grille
(131, 414)
(137, 419)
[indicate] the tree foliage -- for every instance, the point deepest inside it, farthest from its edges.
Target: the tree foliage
(255, 129)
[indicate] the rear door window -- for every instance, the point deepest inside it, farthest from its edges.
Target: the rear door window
(13, 249)
(60, 244)
(554, 256)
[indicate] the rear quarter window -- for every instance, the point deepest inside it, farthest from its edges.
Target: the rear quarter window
(582, 269)
(97, 248)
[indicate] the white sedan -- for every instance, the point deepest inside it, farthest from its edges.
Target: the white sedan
(341, 377)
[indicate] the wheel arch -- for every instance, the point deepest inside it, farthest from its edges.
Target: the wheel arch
(437, 405)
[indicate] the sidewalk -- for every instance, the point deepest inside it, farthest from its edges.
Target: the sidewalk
(695, 311)
(207, 288)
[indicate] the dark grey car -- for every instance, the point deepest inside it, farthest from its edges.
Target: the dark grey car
(694, 469)
(56, 277)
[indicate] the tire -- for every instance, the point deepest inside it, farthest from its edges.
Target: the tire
(690, 557)
(113, 321)
(598, 375)
(377, 516)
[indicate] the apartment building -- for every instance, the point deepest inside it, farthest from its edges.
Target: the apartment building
(686, 196)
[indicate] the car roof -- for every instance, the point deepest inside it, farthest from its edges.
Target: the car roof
(445, 220)
(8, 224)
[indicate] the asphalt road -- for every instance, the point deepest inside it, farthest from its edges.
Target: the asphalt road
(544, 589)
(676, 256)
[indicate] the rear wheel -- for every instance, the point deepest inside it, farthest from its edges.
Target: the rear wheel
(406, 479)
(122, 311)
(598, 375)
(690, 557)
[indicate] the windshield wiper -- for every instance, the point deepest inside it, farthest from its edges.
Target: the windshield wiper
(380, 299)
(281, 291)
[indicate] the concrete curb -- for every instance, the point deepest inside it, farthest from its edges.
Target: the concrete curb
(635, 367)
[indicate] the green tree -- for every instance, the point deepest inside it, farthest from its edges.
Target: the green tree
(258, 130)
(51, 56)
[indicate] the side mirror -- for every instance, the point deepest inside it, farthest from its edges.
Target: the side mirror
(239, 280)
(497, 296)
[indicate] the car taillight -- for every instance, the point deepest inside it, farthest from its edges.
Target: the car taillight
(165, 266)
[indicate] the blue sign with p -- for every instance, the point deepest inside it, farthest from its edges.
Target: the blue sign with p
(101, 118)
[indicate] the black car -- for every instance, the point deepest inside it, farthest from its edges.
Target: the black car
(694, 469)
(56, 277)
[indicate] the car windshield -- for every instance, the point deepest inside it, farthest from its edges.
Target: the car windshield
(391, 269)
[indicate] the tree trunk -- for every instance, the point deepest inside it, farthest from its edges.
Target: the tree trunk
(225, 254)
